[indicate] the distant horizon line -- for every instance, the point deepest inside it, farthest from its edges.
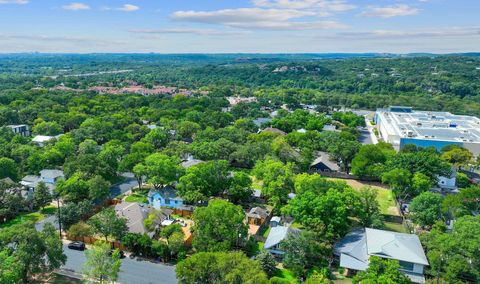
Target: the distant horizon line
(236, 53)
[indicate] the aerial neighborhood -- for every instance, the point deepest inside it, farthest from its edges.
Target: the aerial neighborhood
(234, 184)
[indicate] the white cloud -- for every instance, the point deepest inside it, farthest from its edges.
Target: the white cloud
(20, 2)
(197, 31)
(128, 8)
(423, 33)
(76, 6)
(390, 11)
(257, 18)
(60, 38)
(326, 6)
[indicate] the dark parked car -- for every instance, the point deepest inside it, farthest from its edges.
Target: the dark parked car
(77, 245)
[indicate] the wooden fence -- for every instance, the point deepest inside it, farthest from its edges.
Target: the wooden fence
(92, 240)
(341, 175)
(183, 213)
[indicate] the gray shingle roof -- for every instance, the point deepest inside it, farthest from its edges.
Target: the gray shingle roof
(258, 212)
(274, 130)
(259, 121)
(323, 157)
(191, 162)
(53, 174)
(136, 213)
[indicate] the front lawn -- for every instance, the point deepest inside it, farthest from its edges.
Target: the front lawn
(266, 231)
(395, 227)
(59, 279)
(24, 218)
(256, 184)
(258, 248)
(49, 210)
(386, 202)
(384, 195)
(286, 275)
(136, 197)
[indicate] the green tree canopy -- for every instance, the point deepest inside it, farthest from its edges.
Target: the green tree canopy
(204, 180)
(304, 251)
(41, 196)
(220, 267)
(325, 211)
(453, 256)
(381, 271)
(106, 223)
(33, 252)
(277, 179)
(162, 170)
(426, 209)
(219, 226)
(101, 265)
(8, 169)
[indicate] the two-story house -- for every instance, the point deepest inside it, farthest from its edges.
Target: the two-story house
(21, 129)
(48, 177)
(166, 197)
(355, 249)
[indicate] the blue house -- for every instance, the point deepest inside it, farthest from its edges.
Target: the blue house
(166, 197)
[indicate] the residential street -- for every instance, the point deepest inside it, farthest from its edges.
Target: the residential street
(120, 188)
(49, 219)
(366, 135)
(117, 189)
(132, 271)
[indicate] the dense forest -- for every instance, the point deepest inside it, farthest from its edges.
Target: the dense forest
(430, 82)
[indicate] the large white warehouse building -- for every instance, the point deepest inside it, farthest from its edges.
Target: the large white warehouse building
(402, 125)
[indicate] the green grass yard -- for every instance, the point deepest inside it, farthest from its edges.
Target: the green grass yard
(23, 218)
(395, 227)
(49, 210)
(266, 231)
(135, 197)
(384, 197)
(286, 275)
(386, 202)
(256, 184)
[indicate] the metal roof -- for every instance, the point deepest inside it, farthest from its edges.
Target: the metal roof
(51, 173)
(399, 246)
(278, 234)
(443, 126)
(360, 244)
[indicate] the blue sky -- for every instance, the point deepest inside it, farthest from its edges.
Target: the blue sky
(218, 26)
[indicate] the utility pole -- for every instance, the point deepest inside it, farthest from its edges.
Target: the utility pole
(59, 215)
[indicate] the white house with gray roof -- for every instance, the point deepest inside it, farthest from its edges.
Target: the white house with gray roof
(356, 248)
(42, 140)
(48, 176)
(276, 236)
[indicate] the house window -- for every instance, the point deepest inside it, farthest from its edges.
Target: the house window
(167, 201)
(406, 265)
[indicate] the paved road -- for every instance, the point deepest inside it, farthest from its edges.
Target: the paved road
(49, 219)
(131, 271)
(120, 188)
(366, 134)
(117, 189)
